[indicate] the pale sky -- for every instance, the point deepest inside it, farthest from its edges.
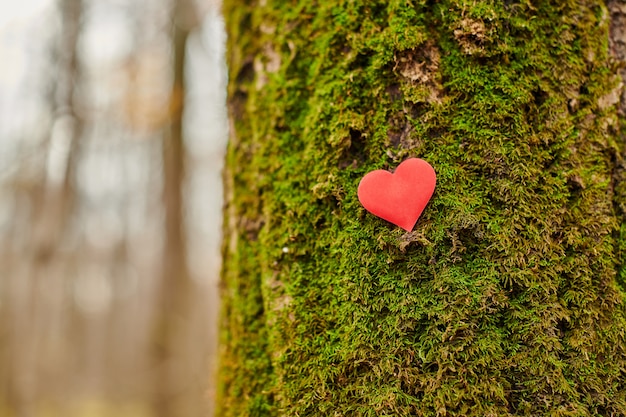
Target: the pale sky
(12, 12)
(25, 27)
(16, 17)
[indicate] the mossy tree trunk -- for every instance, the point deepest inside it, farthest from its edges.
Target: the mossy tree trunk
(507, 298)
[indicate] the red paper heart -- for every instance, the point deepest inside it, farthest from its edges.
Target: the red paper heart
(401, 197)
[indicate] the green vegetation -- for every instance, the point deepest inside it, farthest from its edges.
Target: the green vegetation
(506, 298)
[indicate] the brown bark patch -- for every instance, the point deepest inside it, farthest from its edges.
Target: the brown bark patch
(617, 46)
(251, 227)
(617, 43)
(420, 67)
(412, 237)
(471, 35)
(268, 62)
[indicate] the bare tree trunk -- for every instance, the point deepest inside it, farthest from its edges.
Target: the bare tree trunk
(172, 313)
(51, 203)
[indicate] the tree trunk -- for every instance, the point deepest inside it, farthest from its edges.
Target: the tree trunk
(507, 297)
(28, 316)
(172, 313)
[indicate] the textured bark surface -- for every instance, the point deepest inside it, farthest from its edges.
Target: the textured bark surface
(507, 297)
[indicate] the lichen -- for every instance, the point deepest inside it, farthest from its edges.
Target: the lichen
(506, 299)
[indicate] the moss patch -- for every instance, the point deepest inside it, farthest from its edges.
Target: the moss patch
(505, 299)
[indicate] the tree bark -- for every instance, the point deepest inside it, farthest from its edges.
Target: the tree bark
(172, 313)
(507, 298)
(52, 204)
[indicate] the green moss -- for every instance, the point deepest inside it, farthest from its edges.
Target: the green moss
(505, 299)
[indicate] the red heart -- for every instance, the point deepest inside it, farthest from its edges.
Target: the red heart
(401, 197)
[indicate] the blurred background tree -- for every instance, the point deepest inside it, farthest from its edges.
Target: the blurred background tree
(112, 128)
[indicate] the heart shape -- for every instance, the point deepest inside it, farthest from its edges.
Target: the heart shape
(399, 198)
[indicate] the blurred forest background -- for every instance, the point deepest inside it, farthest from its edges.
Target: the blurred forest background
(112, 133)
